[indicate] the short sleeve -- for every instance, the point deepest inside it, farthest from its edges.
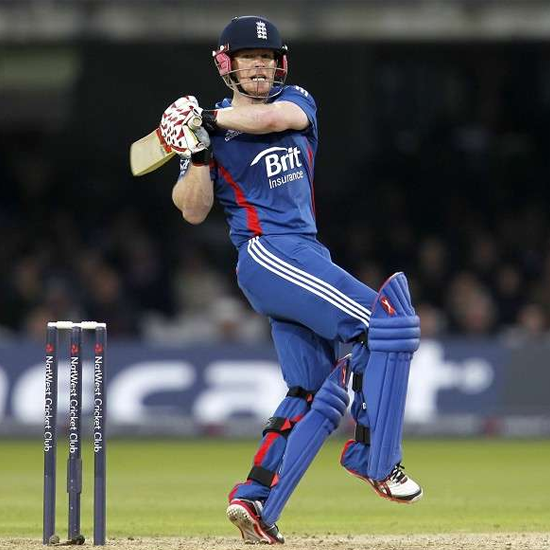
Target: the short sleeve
(304, 100)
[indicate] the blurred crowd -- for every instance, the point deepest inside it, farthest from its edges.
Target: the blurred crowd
(470, 228)
(78, 246)
(449, 184)
(464, 209)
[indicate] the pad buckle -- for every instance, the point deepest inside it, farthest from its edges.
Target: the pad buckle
(278, 424)
(357, 383)
(297, 391)
(362, 434)
(262, 475)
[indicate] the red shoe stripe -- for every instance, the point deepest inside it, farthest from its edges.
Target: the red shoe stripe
(255, 518)
(376, 488)
(262, 533)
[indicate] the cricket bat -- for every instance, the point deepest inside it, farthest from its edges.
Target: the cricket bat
(151, 151)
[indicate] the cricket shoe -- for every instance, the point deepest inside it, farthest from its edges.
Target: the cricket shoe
(397, 487)
(247, 516)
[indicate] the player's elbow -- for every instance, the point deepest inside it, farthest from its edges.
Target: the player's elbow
(196, 213)
(194, 207)
(194, 216)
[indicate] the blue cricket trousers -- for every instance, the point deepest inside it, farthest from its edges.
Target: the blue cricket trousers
(313, 305)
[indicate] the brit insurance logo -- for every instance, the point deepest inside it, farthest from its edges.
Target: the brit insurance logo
(282, 165)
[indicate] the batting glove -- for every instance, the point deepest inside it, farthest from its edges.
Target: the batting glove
(177, 123)
(209, 118)
(202, 156)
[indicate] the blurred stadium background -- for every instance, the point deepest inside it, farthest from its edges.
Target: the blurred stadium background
(434, 159)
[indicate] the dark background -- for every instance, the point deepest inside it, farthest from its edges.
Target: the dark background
(433, 159)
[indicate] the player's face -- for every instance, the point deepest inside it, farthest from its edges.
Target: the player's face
(255, 70)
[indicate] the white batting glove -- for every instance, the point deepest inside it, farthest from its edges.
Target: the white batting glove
(174, 126)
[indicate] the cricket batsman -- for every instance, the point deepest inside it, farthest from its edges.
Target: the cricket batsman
(255, 153)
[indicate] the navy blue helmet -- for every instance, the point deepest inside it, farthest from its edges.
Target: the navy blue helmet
(251, 32)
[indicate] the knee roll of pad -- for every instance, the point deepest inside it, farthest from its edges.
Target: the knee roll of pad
(332, 402)
(394, 325)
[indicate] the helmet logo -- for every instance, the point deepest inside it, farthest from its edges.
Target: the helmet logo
(261, 30)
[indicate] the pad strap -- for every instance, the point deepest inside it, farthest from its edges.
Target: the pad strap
(297, 391)
(283, 427)
(262, 475)
(279, 424)
(362, 434)
(357, 382)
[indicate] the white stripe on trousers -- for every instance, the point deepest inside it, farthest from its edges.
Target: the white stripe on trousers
(331, 289)
(307, 281)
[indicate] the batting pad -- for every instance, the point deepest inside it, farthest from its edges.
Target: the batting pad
(394, 335)
(270, 453)
(307, 437)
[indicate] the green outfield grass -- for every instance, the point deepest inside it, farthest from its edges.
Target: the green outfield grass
(179, 488)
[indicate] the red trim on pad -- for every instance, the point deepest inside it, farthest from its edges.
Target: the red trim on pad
(260, 455)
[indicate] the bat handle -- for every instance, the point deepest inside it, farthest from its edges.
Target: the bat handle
(195, 123)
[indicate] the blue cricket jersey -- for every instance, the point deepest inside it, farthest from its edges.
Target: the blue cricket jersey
(265, 182)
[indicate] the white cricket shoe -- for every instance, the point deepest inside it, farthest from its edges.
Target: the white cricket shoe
(247, 516)
(397, 487)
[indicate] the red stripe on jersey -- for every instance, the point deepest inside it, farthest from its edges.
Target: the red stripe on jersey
(310, 158)
(269, 439)
(252, 219)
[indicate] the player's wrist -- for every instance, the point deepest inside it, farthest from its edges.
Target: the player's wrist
(209, 120)
(201, 158)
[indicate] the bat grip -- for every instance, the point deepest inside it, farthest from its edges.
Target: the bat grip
(195, 123)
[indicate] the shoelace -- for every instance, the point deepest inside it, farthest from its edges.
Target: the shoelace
(397, 474)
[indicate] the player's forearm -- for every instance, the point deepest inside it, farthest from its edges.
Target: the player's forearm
(257, 119)
(194, 194)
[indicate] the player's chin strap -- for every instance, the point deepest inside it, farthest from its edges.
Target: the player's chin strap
(327, 409)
